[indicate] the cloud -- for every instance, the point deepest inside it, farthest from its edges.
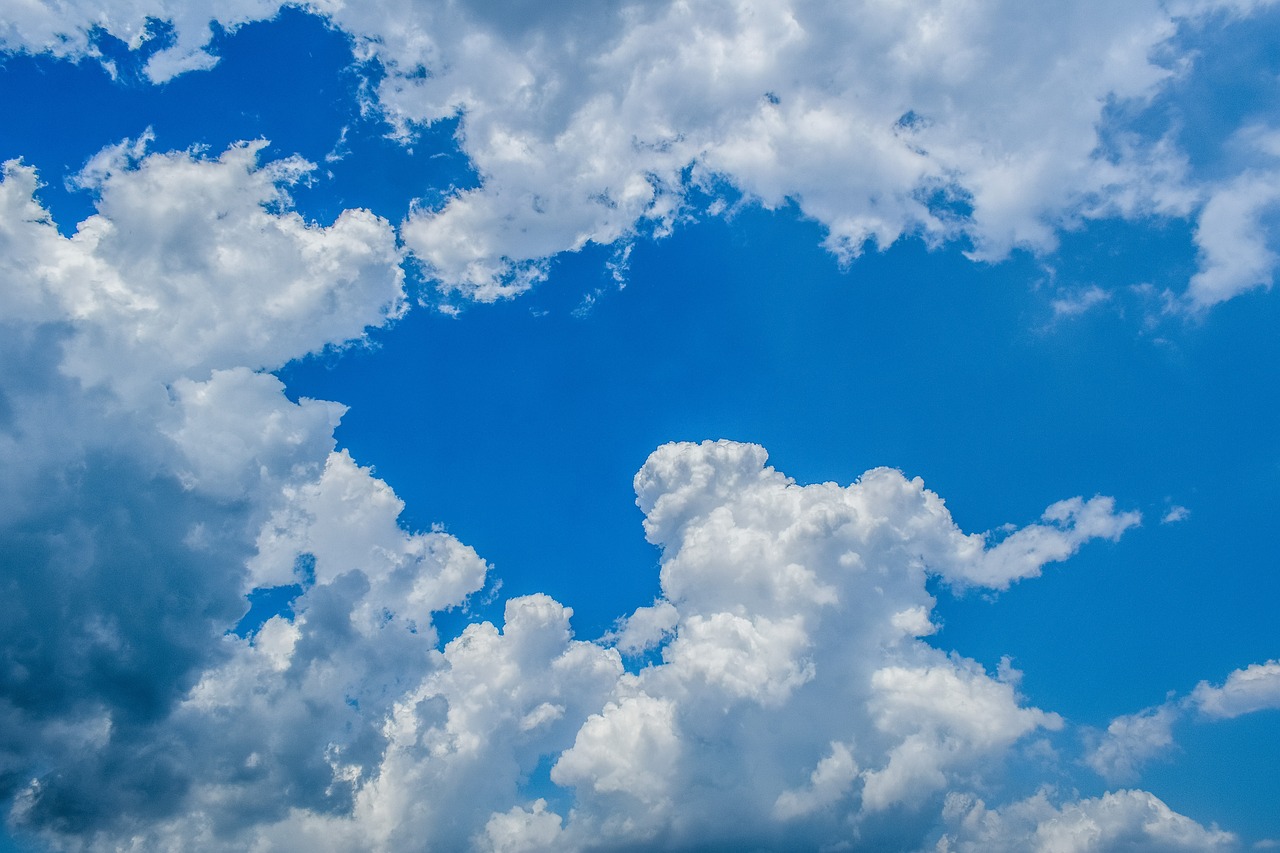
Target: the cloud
(1235, 232)
(782, 649)
(947, 716)
(521, 830)
(1071, 523)
(793, 701)
(975, 123)
(1133, 740)
(183, 269)
(146, 464)
(1254, 688)
(1075, 304)
(947, 122)
(829, 783)
(154, 474)
(1235, 246)
(1119, 820)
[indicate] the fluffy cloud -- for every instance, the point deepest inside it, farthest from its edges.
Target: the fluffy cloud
(787, 652)
(70, 29)
(185, 267)
(154, 475)
(950, 121)
(794, 701)
(147, 466)
(1237, 245)
(597, 123)
(1254, 688)
(1133, 740)
(790, 685)
(1070, 524)
(1122, 820)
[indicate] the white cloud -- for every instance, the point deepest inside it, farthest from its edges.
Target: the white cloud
(460, 736)
(239, 436)
(1120, 820)
(592, 123)
(65, 29)
(645, 628)
(184, 269)
(830, 782)
(631, 748)
(1236, 247)
(793, 700)
(798, 101)
(827, 572)
(1176, 513)
(522, 830)
(1254, 688)
(1133, 740)
(153, 476)
(946, 716)
(1071, 523)
(145, 459)
(1077, 303)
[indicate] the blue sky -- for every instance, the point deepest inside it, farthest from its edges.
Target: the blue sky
(1025, 258)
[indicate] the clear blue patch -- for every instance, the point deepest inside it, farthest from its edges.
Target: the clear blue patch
(538, 784)
(268, 602)
(264, 604)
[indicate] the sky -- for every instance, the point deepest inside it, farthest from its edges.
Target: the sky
(627, 426)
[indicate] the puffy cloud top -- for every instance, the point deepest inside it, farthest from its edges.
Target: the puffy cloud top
(186, 267)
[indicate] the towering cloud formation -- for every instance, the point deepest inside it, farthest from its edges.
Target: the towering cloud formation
(149, 470)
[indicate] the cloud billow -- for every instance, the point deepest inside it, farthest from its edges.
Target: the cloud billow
(990, 125)
(795, 700)
(156, 474)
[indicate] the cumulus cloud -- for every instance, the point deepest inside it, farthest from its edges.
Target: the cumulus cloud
(1070, 523)
(866, 116)
(783, 650)
(1237, 246)
(1254, 688)
(147, 463)
(1120, 820)
(793, 700)
(154, 474)
(1133, 740)
(830, 781)
(185, 268)
(597, 123)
